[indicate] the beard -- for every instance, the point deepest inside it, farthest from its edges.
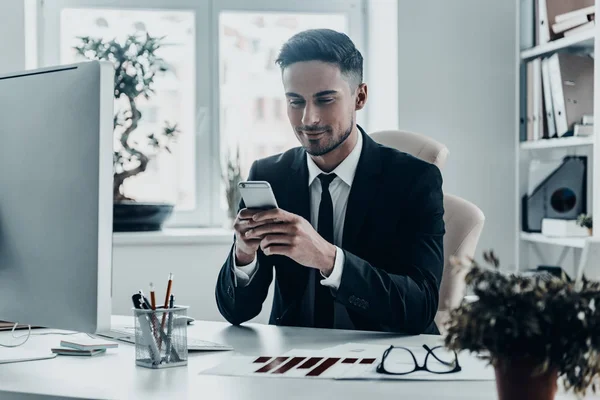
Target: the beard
(328, 143)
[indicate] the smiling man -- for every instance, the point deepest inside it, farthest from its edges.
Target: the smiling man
(357, 242)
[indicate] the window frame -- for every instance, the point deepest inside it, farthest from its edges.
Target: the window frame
(207, 161)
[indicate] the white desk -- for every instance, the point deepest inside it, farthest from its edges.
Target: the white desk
(114, 375)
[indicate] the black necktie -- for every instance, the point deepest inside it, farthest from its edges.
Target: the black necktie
(323, 301)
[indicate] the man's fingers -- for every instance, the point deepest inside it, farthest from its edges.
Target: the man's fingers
(247, 213)
(268, 228)
(281, 250)
(275, 239)
(246, 224)
(274, 213)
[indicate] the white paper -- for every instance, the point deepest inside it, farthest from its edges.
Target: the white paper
(472, 367)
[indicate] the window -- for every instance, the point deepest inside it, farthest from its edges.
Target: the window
(222, 88)
(168, 177)
(278, 109)
(252, 83)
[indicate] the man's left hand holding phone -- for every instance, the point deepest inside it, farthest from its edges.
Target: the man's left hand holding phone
(258, 196)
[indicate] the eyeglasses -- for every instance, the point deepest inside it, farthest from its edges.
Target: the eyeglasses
(402, 361)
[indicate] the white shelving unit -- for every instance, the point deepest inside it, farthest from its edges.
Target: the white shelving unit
(557, 143)
(577, 243)
(534, 248)
(581, 41)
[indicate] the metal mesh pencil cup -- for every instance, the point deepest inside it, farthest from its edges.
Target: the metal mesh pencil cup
(161, 337)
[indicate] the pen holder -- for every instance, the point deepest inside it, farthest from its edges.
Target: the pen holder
(161, 337)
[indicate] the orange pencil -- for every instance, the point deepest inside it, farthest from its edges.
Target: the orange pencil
(152, 298)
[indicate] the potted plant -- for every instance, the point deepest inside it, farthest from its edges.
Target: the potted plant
(136, 67)
(531, 329)
(232, 177)
(586, 222)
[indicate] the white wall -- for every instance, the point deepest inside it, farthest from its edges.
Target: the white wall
(381, 65)
(194, 259)
(457, 76)
(12, 36)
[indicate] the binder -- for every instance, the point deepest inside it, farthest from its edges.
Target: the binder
(530, 110)
(538, 105)
(572, 87)
(548, 107)
(543, 30)
(528, 24)
(535, 112)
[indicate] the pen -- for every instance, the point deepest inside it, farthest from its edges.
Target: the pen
(145, 300)
(169, 286)
(170, 329)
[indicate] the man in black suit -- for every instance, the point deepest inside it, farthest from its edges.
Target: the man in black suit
(357, 240)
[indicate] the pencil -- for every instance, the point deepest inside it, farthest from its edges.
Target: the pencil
(152, 298)
(169, 284)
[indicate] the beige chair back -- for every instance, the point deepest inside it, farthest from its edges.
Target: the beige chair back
(463, 220)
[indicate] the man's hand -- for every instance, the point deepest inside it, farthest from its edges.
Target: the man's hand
(294, 237)
(245, 247)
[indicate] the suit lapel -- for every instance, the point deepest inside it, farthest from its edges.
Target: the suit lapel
(364, 187)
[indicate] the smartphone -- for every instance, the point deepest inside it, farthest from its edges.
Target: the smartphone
(257, 194)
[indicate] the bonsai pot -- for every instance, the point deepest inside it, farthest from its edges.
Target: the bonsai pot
(515, 381)
(130, 216)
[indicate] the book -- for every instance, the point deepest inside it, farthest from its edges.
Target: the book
(566, 16)
(88, 344)
(74, 352)
(571, 23)
(580, 28)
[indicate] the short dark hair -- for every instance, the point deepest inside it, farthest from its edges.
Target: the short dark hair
(324, 45)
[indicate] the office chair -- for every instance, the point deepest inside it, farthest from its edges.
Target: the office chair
(463, 220)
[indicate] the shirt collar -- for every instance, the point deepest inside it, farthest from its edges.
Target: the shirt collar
(345, 171)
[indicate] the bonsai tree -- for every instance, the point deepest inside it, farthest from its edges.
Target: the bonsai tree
(136, 66)
(232, 177)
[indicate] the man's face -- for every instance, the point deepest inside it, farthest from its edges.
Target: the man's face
(320, 105)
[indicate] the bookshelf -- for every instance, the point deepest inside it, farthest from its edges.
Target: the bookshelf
(564, 242)
(557, 143)
(534, 248)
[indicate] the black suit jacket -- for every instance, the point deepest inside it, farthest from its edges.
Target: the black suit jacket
(392, 242)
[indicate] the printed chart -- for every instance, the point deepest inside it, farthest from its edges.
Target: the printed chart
(291, 366)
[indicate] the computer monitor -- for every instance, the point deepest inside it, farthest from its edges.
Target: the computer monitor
(56, 149)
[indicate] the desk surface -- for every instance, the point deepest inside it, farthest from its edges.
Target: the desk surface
(114, 374)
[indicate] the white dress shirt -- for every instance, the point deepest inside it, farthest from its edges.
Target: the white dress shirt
(339, 189)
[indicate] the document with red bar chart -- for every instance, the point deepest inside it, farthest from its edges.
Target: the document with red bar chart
(299, 365)
(350, 361)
